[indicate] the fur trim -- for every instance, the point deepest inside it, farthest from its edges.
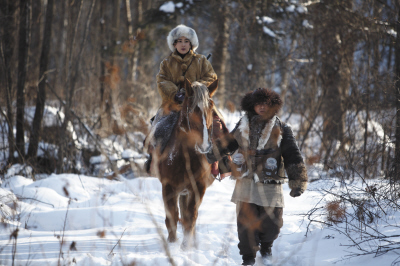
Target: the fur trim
(180, 31)
(183, 67)
(259, 96)
(181, 79)
(293, 184)
(244, 128)
(266, 133)
(279, 140)
(297, 172)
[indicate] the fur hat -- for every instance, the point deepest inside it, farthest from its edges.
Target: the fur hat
(261, 95)
(180, 31)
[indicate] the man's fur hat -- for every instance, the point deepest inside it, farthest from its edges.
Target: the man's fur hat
(261, 95)
(180, 31)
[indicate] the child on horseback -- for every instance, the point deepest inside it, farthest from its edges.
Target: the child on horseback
(261, 142)
(182, 63)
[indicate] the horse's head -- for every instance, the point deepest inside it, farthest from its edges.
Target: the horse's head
(197, 113)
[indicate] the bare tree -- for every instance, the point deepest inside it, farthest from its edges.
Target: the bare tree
(73, 74)
(337, 48)
(41, 96)
(221, 48)
(8, 8)
(397, 87)
(23, 45)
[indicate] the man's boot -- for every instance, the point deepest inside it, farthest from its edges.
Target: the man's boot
(266, 253)
(248, 259)
(266, 249)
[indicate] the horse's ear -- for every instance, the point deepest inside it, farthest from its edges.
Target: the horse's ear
(212, 88)
(188, 87)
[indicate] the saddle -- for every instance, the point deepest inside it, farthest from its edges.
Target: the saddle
(164, 128)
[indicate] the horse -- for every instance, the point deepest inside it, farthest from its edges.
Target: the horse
(181, 165)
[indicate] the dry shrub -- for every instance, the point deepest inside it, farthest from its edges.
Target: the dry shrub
(310, 160)
(230, 106)
(336, 211)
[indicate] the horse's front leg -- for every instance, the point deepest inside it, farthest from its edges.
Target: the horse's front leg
(192, 211)
(171, 211)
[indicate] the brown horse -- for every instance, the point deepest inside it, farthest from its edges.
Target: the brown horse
(182, 166)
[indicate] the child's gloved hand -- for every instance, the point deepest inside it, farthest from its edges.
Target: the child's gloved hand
(179, 97)
(296, 192)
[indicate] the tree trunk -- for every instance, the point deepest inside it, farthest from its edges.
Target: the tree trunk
(8, 8)
(59, 49)
(34, 52)
(337, 47)
(103, 44)
(115, 28)
(41, 96)
(220, 55)
(75, 71)
(397, 87)
(22, 62)
(137, 20)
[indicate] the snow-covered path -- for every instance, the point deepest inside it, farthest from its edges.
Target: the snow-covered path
(122, 222)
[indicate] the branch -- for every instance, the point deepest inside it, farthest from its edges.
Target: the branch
(117, 242)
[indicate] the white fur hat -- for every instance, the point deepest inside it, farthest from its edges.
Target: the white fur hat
(180, 31)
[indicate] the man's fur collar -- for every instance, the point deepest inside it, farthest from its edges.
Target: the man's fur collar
(244, 128)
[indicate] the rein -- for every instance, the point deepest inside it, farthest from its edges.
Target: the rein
(209, 131)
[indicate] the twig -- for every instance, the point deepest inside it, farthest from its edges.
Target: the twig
(62, 239)
(117, 242)
(160, 233)
(24, 198)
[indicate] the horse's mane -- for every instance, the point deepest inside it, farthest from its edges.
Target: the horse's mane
(201, 96)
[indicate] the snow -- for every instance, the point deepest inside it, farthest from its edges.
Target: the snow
(129, 153)
(51, 116)
(392, 32)
(269, 32)
(301, 9)
(267, 20)
(290, 8)
(168, 7)
(307, 25)
(121, 222)
(249, 67)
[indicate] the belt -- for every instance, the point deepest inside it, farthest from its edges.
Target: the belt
(269, 181)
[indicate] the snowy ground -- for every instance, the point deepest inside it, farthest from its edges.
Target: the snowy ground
(122, 223)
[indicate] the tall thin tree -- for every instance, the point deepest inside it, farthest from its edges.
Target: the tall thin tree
(397, 87)
(8, 8)
(221, 48)
(41, 95)
(23, 45)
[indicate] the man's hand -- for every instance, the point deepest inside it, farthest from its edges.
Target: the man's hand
(296, 192)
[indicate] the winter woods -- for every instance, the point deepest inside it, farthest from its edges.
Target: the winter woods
(96, 61)
(78, 87)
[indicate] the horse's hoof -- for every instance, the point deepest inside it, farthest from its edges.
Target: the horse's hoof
(188, 243)
(184, 245)
(172, 239)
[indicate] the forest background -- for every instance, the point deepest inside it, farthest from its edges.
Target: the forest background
(78, 89)
(336, 63)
